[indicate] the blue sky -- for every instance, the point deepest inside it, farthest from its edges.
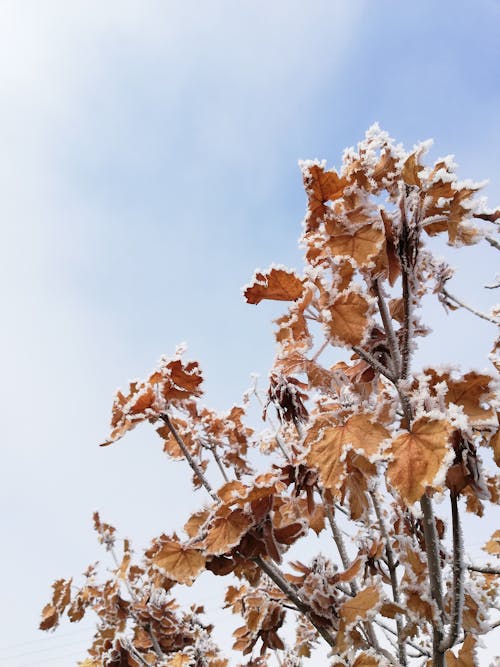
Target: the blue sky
(149, 165)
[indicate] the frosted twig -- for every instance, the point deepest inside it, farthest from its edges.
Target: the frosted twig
(485, 569)
(194, 466)
(275, 575)
(457, 600)
(374, 363)
(493, 242)
(392, 572)
(389, 329)
(472, 310)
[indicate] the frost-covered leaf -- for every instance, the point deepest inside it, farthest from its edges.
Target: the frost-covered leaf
(181, 563)
(466, 656)
(493, 544)
(226, 532)
(417, 457)
(348, 318)
(276, 284)
(328, 453)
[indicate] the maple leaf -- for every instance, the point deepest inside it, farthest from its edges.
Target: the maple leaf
(50, 617)
(181, 564)
(360, 607)
(225, 532)
(466, 656)
(493, 544)
(276, 285)
(361, 246)
(417, 457)
(348, 319)
(328, 453)
(321, 186)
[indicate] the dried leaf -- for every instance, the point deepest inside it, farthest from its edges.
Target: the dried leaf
(276, 284)
(349, 319)
(226, 532)
(180, 563)
(328, 452)
(418, 456)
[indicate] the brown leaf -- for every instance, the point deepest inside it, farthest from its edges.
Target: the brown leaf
(349, 318)
(417, 457)
(321, 186)
(361, 246)
(277, 285)
(466, 656)
(225, 532)
(360, 606)
(50, 617)
(493, 544)
(180, 563)
(328, 453)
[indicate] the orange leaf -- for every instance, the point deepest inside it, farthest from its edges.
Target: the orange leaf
(226, 532)
(349, 319)
(328, 453)
(366, 660)
(321, 186)
(418, 456)
(361, 246)
(276, 284)
(466, 656)
(50, 617)
(180, 563)
(195, 522)
(360, 606)
(493, 544)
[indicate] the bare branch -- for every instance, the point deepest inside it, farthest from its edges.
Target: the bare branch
(493, 242)
(472, 310)
(457, 600)
(391, 563)
(389, 329)
(194, 466)
(374, 363)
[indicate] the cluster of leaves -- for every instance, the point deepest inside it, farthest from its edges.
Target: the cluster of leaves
(363, 441)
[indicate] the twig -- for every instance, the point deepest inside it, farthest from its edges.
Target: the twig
(418, 648)
(472, 310)
(219, 462)
(432, 550)
(374, 363)
(493, 242)
(389, 329)
(485, 569)
(392, 572)
(457, 600)
(195, 467)
(275, 575)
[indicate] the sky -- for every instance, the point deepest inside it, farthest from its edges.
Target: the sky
(148, 166)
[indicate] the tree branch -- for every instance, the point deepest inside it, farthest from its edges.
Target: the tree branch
(457, 601)
(472, 310)
(194, 466)
(374, 363)
(389, 329)
(392, 572)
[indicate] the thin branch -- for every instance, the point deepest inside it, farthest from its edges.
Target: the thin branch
(485, 569)
(472, 310)
(391, 563)
(277, 436)
(418, 648)
(493, 242)
(194, 466)
(275, 575)
(374, 363)
(407, 300)
(433, 563)
(219, 462)
(389, 329)
(457, 600)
